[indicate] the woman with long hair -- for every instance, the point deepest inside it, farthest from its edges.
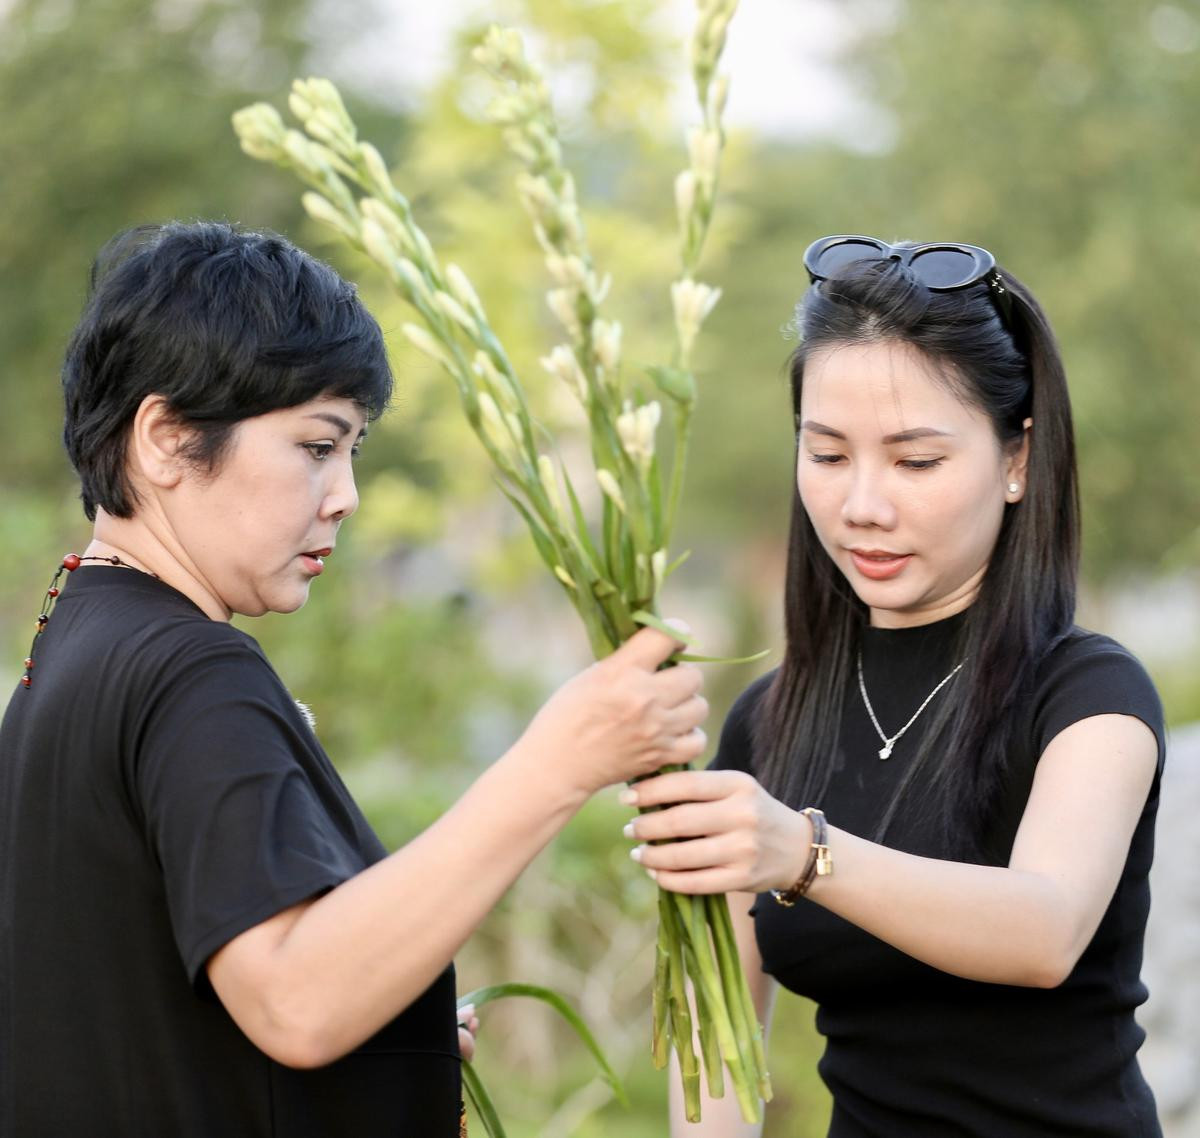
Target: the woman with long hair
(200, 934)
(936, 817)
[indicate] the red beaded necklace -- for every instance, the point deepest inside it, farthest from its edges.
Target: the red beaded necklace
(69, 564)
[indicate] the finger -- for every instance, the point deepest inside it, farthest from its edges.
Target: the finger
(466, 1044)
(691, 820)
(685, 786)
(679, 750)
(648, 647)
(676, 685)
(680, 720)
(699, 881)
(691, 855)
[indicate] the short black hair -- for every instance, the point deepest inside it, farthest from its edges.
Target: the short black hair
(223, 323)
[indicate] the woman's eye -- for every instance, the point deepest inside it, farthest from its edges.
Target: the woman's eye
(319, 451)
(920, 463)
(826, 459)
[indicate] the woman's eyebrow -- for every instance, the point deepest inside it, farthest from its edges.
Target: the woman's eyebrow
(888, 440)
(336, 421)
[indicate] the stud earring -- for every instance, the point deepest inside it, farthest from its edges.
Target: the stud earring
(1013, 487)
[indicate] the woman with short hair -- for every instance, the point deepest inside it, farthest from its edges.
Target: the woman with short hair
(200, 933)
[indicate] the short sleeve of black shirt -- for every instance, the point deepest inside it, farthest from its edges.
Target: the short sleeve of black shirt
(239, 804)
(160, 793)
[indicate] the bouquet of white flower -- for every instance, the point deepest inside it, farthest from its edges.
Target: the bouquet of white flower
(613, 577)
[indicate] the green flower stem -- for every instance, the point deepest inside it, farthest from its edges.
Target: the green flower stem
(681, 1021)
(660, 1045)
(722, 923)
(714, 1069)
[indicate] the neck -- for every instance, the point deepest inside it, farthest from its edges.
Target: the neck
(145, 546)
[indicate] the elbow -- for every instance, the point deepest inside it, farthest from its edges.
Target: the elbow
(1047, 972)
(1049, 963)
(296, 1033)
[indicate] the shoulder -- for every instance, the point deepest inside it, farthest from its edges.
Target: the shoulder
(1086, 673)
(737, 733)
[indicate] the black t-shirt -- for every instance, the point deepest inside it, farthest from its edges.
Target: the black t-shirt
(160, 792)
(914, 1052)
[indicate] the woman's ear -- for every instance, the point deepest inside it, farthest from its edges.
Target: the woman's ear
(1016, 465)
(156, 441)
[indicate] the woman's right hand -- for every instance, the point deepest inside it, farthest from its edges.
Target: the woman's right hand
(622, 718)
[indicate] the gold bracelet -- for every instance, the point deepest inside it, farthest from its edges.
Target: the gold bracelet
(819, 863)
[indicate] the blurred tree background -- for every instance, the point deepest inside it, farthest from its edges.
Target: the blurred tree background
(1057, 133)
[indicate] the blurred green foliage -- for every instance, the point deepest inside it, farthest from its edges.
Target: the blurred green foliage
(1057, 133)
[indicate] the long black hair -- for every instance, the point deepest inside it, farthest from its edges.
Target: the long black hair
(1011, 370)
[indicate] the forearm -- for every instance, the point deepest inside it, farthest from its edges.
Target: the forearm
(987, 923)
(359, 955)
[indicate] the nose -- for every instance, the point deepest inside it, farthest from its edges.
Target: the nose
(867, 502)
(342, 499)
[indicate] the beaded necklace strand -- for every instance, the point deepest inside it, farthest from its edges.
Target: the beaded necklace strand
(69, 564)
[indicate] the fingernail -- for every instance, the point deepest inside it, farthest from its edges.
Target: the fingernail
(653, 874)
(636, 853)
(628, 830)
(628, 797)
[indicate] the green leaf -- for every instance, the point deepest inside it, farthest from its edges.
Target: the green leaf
(482, 996)
(676, 563)
(674, 383)
(541, 538)
(688, 658)
(481, 1101)
(652, 621)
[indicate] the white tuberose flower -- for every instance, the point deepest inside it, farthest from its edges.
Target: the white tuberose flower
(636, 426)
(693, 302)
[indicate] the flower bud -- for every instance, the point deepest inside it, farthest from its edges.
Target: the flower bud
(562, 304)
(463, 291)
(692, 302)
(636, 428)
(658, 569)
(323, 210)
(261, 131)
(718, 96)
(611, 488)
(376, 169)
(449, 307)
(387, 220)
(704, 146)
(426, 344)
(606, 343)
(414, 280)
(562, 364)
(497, 382)
(685, 198)
(378, 245)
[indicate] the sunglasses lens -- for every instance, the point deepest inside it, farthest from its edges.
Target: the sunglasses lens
(945, 268)
(834, 260)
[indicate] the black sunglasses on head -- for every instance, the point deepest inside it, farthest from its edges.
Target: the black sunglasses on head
(941, 266)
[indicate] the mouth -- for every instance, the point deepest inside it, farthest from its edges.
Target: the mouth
(314, 562)
(879, 564)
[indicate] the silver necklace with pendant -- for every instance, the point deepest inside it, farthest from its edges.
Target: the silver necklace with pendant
(886, 750)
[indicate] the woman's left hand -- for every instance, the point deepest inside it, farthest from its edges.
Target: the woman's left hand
(722, 833)
(468, 1028)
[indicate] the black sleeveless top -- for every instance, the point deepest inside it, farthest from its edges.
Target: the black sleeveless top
(911, 1051)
